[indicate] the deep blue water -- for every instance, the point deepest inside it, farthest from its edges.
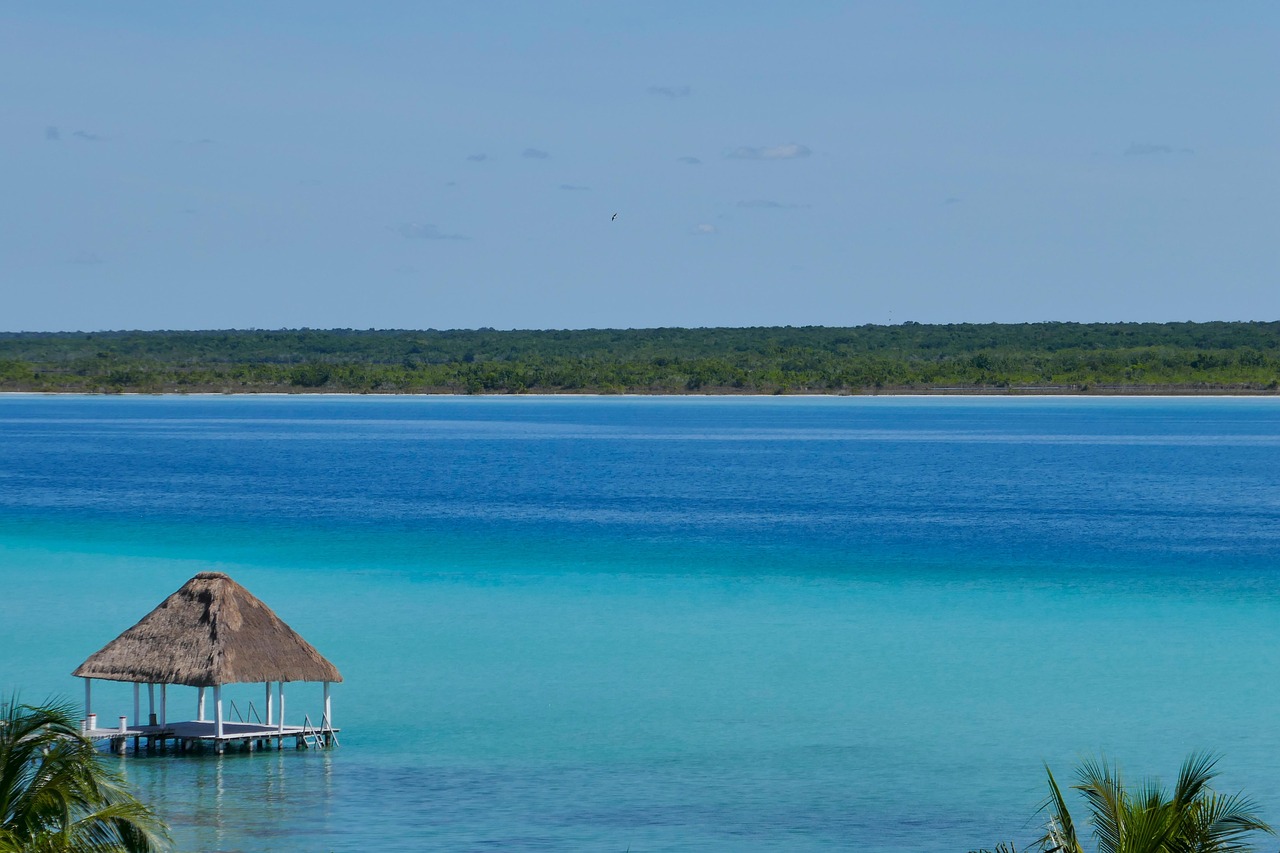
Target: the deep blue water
(671, 623)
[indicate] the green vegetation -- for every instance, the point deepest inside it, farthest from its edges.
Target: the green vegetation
(992, 358)
(1193, 818)
(58, 796)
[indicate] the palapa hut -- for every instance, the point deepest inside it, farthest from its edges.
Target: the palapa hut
(209, 633)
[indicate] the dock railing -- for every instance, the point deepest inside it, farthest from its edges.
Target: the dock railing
(320, 737)
(243, 718)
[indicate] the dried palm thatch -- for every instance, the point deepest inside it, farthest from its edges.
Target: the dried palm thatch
(211, 631)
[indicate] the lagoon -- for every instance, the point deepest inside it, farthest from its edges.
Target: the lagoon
(671, 623)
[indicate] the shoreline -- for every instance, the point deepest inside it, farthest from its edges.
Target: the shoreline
(1036, 393)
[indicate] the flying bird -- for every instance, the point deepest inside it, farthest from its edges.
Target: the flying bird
(615, 216)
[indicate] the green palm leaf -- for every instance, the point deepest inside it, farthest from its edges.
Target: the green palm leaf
(1061, 835)
(1147, 818)
(57, 795)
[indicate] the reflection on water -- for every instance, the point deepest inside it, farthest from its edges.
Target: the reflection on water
(222, 803)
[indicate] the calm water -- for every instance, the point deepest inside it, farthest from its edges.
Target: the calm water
(670, 624)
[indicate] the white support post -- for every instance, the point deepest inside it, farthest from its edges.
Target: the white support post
(137, 704)
(281, 729)
(88, 697)
(328, 709)
(200, 707)
(217, 710)
(269, 717)
(151, 704)
(164, 704)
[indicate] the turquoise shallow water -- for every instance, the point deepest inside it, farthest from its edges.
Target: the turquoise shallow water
(670, 624)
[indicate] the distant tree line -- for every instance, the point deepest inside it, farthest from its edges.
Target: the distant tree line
(957, 358)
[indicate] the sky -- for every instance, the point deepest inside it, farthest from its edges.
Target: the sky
(460, 165)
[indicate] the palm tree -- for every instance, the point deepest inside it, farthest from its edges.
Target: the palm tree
(1148, 819)
(1195, 819)
(58, 796)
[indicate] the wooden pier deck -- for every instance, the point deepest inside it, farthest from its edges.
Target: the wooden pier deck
(200, 735)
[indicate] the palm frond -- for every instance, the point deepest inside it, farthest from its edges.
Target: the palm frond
(1147, 818)
(1223, 824)
(1108, 806)
(1194, 776)
(1061, 834)
(58, 796)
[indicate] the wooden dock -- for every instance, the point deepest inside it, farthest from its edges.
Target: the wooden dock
(202, 735)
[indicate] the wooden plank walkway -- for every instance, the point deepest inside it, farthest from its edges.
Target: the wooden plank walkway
(202, 734)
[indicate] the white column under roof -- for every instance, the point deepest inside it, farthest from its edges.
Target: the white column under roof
(200, 706)
(137, 704)
(328, 709)
(269, 718)
(217, 710)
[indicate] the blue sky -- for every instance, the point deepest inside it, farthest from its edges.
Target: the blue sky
(456, 165)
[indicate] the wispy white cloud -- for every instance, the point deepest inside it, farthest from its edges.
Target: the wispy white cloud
(671, 91)
(534, 154)
(790, 151)
(1147, 149)
(770, 204)
(691, 161)
(704, 229)
(425, 231)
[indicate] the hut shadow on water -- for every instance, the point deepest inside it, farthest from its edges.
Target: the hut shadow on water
(211, 633)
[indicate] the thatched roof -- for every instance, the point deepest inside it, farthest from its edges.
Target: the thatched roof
(212, 631)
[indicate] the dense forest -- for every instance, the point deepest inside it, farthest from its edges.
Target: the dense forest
(1104, 358)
